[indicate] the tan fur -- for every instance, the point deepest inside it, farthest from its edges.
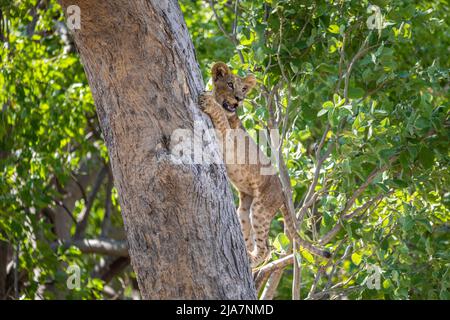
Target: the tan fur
(260, 196)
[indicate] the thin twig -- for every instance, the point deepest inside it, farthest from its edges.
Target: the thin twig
(333, 232)
(108, 247)
(266, 270)
(361, 52)
(319, 273)
(84, 216)
(341, 62)
(16, 271)
(272, 285)
(108, 205)
(236, 8)
(231, 37)
(296, 279)
(62, 205)
(80, 187)
(368, 181)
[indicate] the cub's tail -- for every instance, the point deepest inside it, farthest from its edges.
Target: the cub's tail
(290, 226)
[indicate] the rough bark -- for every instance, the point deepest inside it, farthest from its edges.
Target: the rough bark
(184, 237)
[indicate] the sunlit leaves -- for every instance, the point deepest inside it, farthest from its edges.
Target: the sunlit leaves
(392, 107)
(48, 132)
(395, 104)
(281, 243)
(356, 258)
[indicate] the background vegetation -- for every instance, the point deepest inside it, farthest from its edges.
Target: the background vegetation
(364, 114)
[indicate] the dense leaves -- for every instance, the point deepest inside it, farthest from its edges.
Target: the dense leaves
(49, 140)
(379, 98)
(363, 107)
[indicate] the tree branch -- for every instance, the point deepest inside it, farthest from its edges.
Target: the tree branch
(114, 268)
(265, 271)
(369, 180)
(99, 246)
(333, 232)
(231, 37)
(84, 216)
(271, 285)
(108, 205)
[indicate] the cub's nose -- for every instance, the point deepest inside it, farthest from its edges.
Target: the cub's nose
(239, 98)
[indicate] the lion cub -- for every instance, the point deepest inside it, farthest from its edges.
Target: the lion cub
(260, 196)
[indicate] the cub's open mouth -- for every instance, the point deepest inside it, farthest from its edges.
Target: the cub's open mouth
(228, 107)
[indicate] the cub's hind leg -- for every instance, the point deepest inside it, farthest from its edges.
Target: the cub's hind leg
(261, 216)
(245, 201)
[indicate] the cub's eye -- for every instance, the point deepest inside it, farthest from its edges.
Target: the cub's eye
(230, 84)
(244, 89)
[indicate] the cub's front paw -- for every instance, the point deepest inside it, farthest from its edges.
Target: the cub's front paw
(205, 101)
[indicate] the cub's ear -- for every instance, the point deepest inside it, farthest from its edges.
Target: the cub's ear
(250, 81)
(219, 70)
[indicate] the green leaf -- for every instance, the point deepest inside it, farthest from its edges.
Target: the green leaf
(281, 242)
(356, 258)
(294, 67)
(355, 93)
(422, 123)
(322, 112)
(426, 157)
(333, 28)
(407, 223)
(386, 154)
(338, 101)
(308, 256)
(328, 105)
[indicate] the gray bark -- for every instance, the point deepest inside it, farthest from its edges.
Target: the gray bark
(183, 234)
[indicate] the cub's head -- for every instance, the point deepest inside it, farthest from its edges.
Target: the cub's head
(229, 89)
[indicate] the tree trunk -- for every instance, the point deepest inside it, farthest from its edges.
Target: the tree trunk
(183, 234)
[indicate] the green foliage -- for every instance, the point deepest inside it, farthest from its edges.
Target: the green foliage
(380, 96)
(384, 96)
(48, 136)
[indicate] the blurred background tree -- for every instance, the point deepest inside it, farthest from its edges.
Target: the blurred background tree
(359, 92)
